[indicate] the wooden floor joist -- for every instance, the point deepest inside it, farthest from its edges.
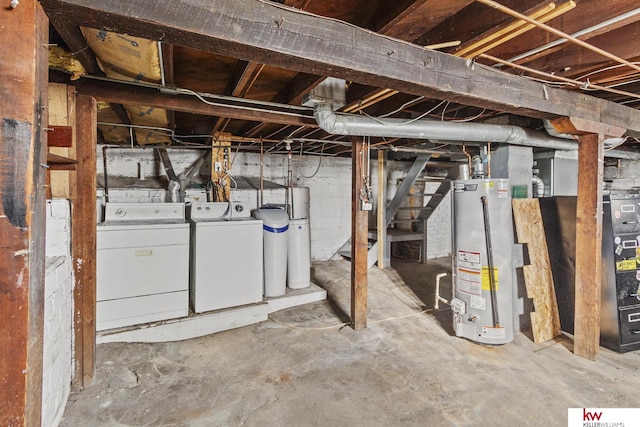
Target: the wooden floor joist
(313, 44)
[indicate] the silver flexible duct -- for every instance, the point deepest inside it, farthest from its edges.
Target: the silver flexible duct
(349, 124)
(451, 132)
(538, 186)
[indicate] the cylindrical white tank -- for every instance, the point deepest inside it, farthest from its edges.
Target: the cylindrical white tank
(299, 254)
(483, 309)
(275, 241)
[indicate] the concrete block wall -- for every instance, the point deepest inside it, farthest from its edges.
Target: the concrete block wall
(330, 187)
(58, 313)
(328, 180)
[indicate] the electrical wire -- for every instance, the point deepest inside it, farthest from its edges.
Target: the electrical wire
(403, 106)
(319, 163)
(601, 70)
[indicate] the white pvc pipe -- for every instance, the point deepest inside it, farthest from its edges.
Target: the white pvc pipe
(438, 297)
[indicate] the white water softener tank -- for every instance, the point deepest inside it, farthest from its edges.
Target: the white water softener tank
(275, 240)
(484, 287)
(299, 254)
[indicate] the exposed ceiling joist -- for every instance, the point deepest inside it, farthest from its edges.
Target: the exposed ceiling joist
(147, 95)
(264, 32)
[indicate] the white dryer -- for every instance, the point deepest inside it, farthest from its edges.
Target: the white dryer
(142, 264)
(226, 257)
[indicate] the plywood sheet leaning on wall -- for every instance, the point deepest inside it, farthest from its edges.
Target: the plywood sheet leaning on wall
(545, 320)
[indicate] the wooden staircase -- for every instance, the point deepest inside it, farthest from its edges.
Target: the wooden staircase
(394, 230)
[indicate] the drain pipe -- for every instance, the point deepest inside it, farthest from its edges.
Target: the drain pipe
(438, 297)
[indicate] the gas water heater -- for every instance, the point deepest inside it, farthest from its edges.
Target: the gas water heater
(484, 290)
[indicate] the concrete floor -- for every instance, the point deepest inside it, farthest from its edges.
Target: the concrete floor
(302, 368)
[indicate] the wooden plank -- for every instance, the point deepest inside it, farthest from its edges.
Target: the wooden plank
(83, 245)
(545, 320)
(62, 114)
(23, 117)
(60, 136)
(220, 157)
(589, 246)
(307, 43)
(55, 161)
(381, 237)
(359, 241)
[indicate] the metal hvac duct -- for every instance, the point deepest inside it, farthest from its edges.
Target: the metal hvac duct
(349, 124)
(325, 99)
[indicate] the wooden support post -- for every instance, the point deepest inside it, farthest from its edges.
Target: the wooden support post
(359, 240)
(83, 245)
(383, 256)
(589, 246)
(23, 118)
(220, 164)
(588, 284)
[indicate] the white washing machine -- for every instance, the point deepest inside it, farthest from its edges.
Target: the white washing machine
(226, 257)
(142, 264)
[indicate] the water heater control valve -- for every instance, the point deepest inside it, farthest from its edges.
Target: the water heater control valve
(458, 306)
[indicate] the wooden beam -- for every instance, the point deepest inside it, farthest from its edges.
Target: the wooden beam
(576, 126)
(587, 14)
(266, 33)
(501, 35)
(588, 246)
(465, 25)
(297, 88)
(359, 240)
(83, 245)
(169, 76)
(409, 19)
(242, 78)
(131, 94)
(76, 43)
(23, 117)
